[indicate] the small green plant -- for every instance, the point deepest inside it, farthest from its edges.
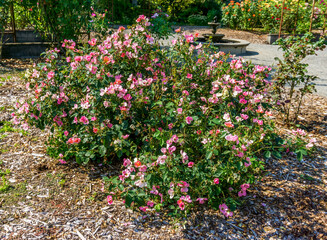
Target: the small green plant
(62, 182)
(291, 83)
(3, 173)
(7, 127)
(2, 136)
(4, 186)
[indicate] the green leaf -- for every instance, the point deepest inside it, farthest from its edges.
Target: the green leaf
(267, 154)
(158, 103)
(114, 180)
(299, 155)
(238, 165)
(218, 173)
(158, 207)
(121, 187)
(208, 155)
(128, 200)
(216, 121)
(277, 154)
(140, 201)
(102, 150)
(157, 134)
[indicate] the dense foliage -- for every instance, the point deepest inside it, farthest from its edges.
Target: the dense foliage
(266, 14)
(187, 125)
(58, 19)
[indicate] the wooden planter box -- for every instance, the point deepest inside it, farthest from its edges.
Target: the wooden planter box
(22, 36)
(29, 44)
(24, 50)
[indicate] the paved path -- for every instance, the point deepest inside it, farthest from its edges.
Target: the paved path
(264, 54)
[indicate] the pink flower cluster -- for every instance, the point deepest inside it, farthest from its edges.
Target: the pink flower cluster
(74, 140)
(244, 187)
(182, 200)
(224, 210)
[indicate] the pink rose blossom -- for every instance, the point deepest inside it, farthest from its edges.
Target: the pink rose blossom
(150, 203)
(189, 120)
(216, 180)
(181, 204)
(247, 164)
(109, 199)
(50, 75)
(84, 120)
(62, 161)
(242, 193)
(143, 209)
(202, 200)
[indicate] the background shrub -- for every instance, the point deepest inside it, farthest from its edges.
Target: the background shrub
(198, 20)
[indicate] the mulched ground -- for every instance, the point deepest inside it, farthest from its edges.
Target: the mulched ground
(47, 200)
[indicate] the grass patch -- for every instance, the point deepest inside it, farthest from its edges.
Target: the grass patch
(2, 136)
(4, 185)
(4, 172)
(6, 108)
(13, 194)
(7, 127)
(4, 151)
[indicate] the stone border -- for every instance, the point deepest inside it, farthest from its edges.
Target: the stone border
(236, 46)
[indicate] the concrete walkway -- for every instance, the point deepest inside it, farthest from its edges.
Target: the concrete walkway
(264, 55)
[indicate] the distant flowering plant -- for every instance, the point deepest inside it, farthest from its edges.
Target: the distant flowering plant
(99, 23)
(186, 124)
(266, 14)
(160, 25)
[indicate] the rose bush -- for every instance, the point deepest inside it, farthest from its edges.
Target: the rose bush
(187, 124)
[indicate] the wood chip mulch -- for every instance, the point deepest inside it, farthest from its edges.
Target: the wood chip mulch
(48, 200)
